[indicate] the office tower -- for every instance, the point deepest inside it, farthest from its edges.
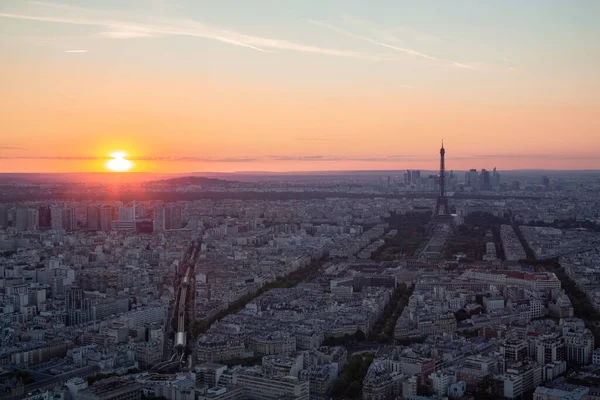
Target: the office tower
(3, 217)
(408, 177)
(106, 217)
(495, 178)
(159, 219)
(546, 181)
(416, 176)
(451, 181)
(126, 214)
(33, 219)
(69, 219)
(56, 218)
(442, 201)
(173, 217)
(93, 218)
(126, 219)
(140, 212)
(21, 218)
(473, 177)
(44, 217)
(486, 183)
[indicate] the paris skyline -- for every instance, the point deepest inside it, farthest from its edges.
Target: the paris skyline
(298, 86)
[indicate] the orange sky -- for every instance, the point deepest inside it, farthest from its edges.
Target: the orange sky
(177, 104)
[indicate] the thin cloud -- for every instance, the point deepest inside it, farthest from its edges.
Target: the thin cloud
(121, 27)
(388, 46)
(55, 158)
(320, 139)
(10, 147)
(310, 158)
(530, 156)
(373, 41)
(123, 34)
(242, 159)
(388, 34)
(465, 66)
(194, 159)
(76, 51)
(405, 50)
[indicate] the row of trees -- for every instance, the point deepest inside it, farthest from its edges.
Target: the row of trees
(288, 281)
(349, 383)
(412, 234)
(569, 223)
(529, 253)
(472, 236)
(582, 306)
(346, 340)
(382, 330)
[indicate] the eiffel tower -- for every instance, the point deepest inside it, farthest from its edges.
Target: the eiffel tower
(442, 200)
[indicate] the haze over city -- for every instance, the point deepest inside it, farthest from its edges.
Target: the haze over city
(298, 85)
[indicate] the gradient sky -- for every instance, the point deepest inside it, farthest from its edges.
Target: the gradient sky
(282, 85)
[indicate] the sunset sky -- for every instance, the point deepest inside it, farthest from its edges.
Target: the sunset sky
(290, 85)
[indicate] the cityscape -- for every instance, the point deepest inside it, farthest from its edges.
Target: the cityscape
(432, 286)
(299, 200)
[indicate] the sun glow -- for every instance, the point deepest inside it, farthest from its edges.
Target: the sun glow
(118, 162)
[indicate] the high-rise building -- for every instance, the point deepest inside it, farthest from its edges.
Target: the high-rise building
(3, 217)
(546, 181)
(44, 217)
(140, 212)
(56, 218)
(495, 178)
(93, 218)
(173, 218)
(472, 178)
(412, 177)
(486, 183)
(106, 217)
(33, 219)
(69, 219)
(159, 219)
(126, 214)
(21, 218)
(416, 176)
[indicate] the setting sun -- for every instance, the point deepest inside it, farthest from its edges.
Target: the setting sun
(118, 162)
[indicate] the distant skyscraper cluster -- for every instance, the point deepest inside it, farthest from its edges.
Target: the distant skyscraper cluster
(93, 218)
(412, 177)
(166, 218)
(483, 180)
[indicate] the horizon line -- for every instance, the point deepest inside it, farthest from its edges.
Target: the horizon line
(284, 172)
